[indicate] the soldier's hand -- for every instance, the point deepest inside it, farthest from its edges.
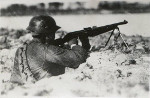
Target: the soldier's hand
(73, 41)
(85, 41)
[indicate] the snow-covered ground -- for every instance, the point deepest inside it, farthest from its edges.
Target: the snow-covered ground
(106, 72)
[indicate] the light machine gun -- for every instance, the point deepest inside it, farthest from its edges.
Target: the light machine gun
(93, 31)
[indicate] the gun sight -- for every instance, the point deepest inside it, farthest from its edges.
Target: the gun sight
(125, 22)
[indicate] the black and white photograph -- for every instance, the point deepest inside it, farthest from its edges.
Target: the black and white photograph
(75, 48)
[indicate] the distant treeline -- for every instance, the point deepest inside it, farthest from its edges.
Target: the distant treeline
(75, 8)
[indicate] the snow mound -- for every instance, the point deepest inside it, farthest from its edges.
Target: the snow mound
(106, 73)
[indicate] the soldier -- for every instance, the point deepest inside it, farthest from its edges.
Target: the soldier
(41, 58)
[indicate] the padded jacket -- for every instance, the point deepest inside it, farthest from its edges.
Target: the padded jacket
(35, 60)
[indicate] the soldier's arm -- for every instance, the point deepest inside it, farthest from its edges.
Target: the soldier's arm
(65, 57)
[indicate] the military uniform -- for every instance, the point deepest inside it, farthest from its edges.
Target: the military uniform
(35, 60)
(39, 58)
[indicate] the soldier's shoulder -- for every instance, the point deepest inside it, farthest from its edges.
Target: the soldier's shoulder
(22, 47)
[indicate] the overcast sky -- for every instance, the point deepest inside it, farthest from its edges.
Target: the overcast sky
(5, 3)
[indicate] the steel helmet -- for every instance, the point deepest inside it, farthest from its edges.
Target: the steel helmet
(39, 24)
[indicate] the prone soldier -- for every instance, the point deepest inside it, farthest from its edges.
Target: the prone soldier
(41, 58)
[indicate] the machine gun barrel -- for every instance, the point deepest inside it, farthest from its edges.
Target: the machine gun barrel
(106, 28)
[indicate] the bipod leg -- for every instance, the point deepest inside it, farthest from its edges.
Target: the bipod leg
(109, 38)
(123, 39)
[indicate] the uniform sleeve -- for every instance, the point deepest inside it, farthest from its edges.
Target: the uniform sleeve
(65, 57)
